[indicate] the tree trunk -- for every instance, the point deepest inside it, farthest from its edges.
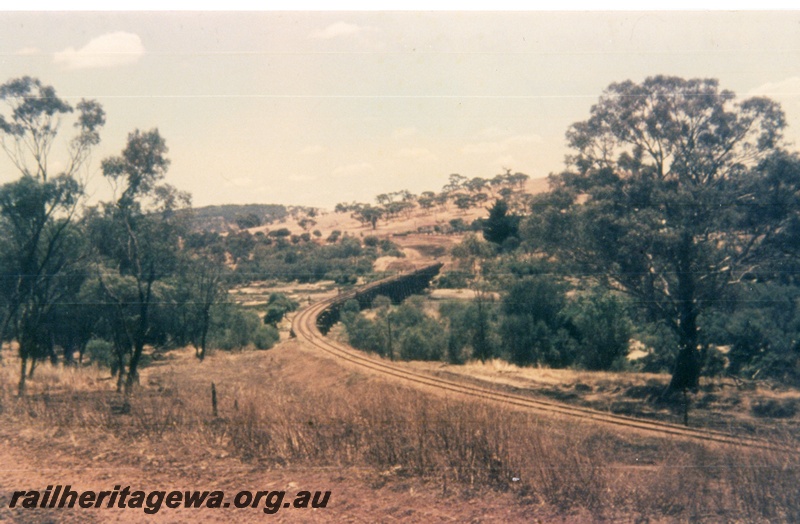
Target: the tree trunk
(133, 368)
(686, 374)
(204, 334)
(21, 385)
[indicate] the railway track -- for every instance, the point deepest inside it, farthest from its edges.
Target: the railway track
(305, 327)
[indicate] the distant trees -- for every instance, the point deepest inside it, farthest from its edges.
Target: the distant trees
(278, 305)
(500, 225)
(459, 190)
(248, 221)
(369, 215)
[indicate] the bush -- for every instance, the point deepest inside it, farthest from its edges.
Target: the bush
(458, 225)
(265, 337)
(455, 279)
(334, 236)
(277, 307)
(234, 328)
(426, 341)
(604, 331)
(534, 327)
(365, 334)
(774, 408)
(101, 352)
(280, 233)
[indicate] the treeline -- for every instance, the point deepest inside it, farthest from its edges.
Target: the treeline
(528, 312)
(283, 256)
(462, 192)
(109, 279)
(223, 217)
(531, 322)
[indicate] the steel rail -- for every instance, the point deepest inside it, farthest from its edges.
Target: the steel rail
(304, 325)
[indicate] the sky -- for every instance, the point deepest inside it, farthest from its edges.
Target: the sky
(315, 108)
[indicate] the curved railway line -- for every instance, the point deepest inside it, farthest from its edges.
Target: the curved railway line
(305, 326)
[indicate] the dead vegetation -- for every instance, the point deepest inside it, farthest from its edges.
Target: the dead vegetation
(287, 408)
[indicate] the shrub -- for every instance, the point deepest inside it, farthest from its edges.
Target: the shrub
(277, 307)
(265, 337)
(604, 331)
(534, 327)
(279, 233)
(774, 408)
(455, 279)
(334, 236)
(234, 328)
(101, 352)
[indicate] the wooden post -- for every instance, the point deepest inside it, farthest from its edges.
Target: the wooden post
(214, 399)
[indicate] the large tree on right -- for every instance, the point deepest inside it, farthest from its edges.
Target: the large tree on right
(675, 192)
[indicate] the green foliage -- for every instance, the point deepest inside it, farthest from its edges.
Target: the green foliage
(280, 233)
(603, 330)
(102, 353)
(277, 307)
(365, 334)
(662, 342)
(217, 218)
(248, 220)
(425, 341)
(660, 169)
(534, 326)
(334, 236)
(458, 225)
(265, 337)
(499, 226)
(763, 334)
(455, 279)
(234, 328)
(472, 329)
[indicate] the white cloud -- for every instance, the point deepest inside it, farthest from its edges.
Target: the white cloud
(492, 133)
(109, 50)
(506, 161)
(483, 148)
(339, 29)
(301, 178)
(787, 94)
(501, 146)
(789, 87)
(420, 154)
(361, 169)
(313, 150)
(404, 132)
(27, 51)
(239, 182)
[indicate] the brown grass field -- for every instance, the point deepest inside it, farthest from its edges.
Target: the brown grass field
(289, 419)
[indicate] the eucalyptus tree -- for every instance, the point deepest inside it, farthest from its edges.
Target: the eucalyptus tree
(139, 234)
(661, 199)
(38, 211)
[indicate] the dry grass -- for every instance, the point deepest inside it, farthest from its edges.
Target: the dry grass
(285, 408)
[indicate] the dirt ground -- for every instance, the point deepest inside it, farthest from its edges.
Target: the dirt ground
(33, 456)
